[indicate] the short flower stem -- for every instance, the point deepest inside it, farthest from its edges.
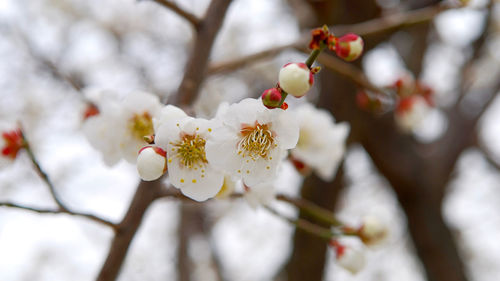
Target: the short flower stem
(306, 226)
(313, 210)
(314, 55)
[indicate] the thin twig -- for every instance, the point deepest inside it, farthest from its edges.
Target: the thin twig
(190, 17)
(222, 67)
(58, 211)
(312, 209)
(349, 71)
(364, 28)
(393, 21)
(306, 226)
(44, 176)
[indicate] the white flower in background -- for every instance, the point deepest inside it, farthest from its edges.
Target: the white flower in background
(184, 140)
(321, 143)
(118, 130)
(151, 163)
(349, 258)
(372, 231)
(295, 79)
(410, 112)
(227, 188)
(260, 195)
(252, 141)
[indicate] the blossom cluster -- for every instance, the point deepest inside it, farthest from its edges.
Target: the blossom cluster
(245, 141)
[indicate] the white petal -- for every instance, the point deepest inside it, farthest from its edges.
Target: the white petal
(198, 183)
(167, 113)
(286, 128)
(150, 164)
(260, 170)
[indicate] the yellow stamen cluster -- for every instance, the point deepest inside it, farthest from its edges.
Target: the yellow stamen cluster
(256, 141)
(191, 151)
(141, 125)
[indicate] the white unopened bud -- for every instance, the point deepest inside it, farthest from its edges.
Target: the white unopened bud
(410, 112)
(350, 259)
(295, 79)
(349, 47)
(372, 231)
(151, 163)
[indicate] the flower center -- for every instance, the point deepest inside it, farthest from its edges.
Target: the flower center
(256, 141)
(141, 125)
(191, 151)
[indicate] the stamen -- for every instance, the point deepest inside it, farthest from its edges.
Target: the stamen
(256, 141)
(191, 151)
(141, 125)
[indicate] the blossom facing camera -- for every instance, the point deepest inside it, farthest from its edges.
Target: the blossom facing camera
(271, 98)
(349, 258)
(349, 47)
(151, 163)
(252, 141)
(295, 79)
(189, 170)
(372, 232)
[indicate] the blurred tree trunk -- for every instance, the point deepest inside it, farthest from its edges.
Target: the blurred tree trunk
(417, 173)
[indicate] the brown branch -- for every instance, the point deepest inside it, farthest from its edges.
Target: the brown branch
(193, 19)
(145, 194)
(198, 60)
(226, 66)
(364, 28)
(58, 211)
(393, 21)
(349, 71)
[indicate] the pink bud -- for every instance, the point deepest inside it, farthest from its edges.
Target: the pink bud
(12, 141)
(349, 47)
(271, 98)
(151, 163)
(295, 79)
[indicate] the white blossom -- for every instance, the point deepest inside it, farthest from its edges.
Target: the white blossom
(321, 144)
(252, 141)
(184, 140)
(118, 130)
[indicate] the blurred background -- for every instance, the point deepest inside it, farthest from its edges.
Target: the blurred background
(437, 188)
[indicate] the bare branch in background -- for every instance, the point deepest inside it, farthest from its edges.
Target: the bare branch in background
(58, 211)
(193, 19)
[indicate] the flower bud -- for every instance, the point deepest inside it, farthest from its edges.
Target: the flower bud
(372, 231)
(410, 112)
(350, 259)
(271, 98)
(90, 110)
(151, 163)
(295, 79)
(349, 47)
(11, 142)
